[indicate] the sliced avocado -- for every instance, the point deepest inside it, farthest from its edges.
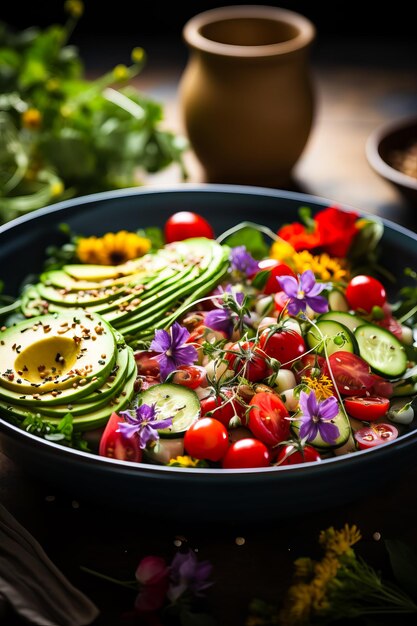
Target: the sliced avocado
(53, 352)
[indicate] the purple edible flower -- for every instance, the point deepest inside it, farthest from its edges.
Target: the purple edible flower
(316, 416)
(173, 349)
(219, 319)
(304, 292)
(188, 574)
(228, 315)
(242, 261)
(144, 421)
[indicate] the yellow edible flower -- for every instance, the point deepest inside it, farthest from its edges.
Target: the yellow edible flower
(75, 8)
(112, 248)
(282, 250)
(32, 119)
(324, 266)
(322, 386)
(184, 461)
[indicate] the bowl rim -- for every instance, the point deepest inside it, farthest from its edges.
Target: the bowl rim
(160, 470)
(379, 165)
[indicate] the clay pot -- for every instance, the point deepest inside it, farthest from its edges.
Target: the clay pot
(246, 94)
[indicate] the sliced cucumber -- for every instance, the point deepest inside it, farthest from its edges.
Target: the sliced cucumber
(345, 431)
(337, 337)
(347, 319)
(180, 403)
(382, 350)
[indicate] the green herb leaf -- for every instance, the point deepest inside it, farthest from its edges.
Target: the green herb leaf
(304, 213)
(155, 235)
(252, 239)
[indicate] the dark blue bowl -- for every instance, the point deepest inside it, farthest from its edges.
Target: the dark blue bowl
(193, 493)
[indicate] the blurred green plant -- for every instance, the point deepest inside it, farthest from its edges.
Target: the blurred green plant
(62, 135)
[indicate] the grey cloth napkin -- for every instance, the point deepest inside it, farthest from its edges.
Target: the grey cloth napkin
(33, 585)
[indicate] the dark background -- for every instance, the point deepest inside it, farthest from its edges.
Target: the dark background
(107, 31)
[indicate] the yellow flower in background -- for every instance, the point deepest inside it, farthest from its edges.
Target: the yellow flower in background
(282, 250)
(298, 606)
(120, 72)
(75, 8)
(138, 55)
(322, 386)
(339, 542)
(324, 266)
(112, 248)
(32, 119)
(303, 568)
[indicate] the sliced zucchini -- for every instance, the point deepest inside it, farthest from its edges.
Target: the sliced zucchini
(337, 337)
(180, 403)
(382, 350)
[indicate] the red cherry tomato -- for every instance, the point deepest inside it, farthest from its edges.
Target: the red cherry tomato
(375, 435)
(280, 301)
(184, 225)
(293, 454)
(364, 292)
(246, 453)
(310, 365)
(276, 268)
(267, 418)
(351, 373)
(247, 360)
(390, 323)
(191, 376)
(284, 345)
(381, 387)
(115, 446)
(146, 364)
(367, 409)
(222, 408)
(206, 439)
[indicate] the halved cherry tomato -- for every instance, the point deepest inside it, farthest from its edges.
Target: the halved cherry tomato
(185, 224)
(293, 454)
(284, 345)
(375, 435)
(223, 408)
(191, 376)
(364, 292)
(115, 446)
(309, 365)
(247, 360)
(276, 268)
(390, 323)
(351, 373)
(367, 409)
(268, 418)
(206, 439)
(246, 453)
(146, 363)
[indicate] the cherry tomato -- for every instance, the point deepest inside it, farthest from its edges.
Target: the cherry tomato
(390, 323)
(146, 364)
(280, 301)
(246, 453)
(293, 454)
(206, 439)
(351, 373)
(367, 409)
(191, 376)
(375, 435)
(267, 418)
(364, 292)
(247, 360)
(223, 408)
(284, 345)
(381, 387)
(184, 225)
(276, 268)
(115, 446)
(310, 365)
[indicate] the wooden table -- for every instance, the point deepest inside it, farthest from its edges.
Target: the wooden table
(352, 101)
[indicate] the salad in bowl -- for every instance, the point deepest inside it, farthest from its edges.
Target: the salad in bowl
(259, 348)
